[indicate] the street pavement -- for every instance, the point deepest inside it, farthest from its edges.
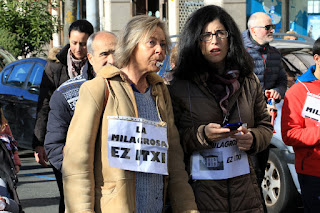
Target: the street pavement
(37, 188)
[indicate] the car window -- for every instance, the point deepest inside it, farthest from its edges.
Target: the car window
(36, 76)
(6, 71)
(18, 74)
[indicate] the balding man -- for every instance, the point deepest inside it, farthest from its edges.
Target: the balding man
(100, 49)
(267, 59)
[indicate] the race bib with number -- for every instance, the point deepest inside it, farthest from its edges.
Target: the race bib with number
(137, 144)
(223, 161)
(311, 108)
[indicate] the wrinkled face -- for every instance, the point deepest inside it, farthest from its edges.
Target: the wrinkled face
(78, 44)
(103, 47)
(216, 50)
(149, 51)
(258, 31)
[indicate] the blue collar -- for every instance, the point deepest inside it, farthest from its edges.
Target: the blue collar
(136, 90)
(308, 76)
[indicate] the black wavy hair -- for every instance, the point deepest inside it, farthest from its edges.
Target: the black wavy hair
(316, 47)
(82, 26)
(191, 60)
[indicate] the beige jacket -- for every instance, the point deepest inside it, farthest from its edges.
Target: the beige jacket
(90, 184)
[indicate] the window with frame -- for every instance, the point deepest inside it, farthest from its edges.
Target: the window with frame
(6, 73)
(19, 74)
(313, 6)
(36, 76)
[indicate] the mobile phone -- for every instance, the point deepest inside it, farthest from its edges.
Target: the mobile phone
(233, 126)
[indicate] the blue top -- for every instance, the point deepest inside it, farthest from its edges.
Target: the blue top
(308, 76)
(149, 187)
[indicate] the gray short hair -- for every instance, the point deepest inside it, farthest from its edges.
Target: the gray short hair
(131, 35)
(91, 39)
(253, 18)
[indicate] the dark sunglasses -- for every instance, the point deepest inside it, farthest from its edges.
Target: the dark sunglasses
(267, 27)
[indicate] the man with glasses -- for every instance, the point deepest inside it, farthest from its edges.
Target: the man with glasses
(267, 59)
(268, 68)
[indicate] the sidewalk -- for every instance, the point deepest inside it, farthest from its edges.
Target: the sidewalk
(37, 187)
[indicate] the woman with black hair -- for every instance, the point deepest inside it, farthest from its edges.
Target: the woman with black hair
(220, 112)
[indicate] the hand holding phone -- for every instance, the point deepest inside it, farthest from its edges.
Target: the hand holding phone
(233, 126)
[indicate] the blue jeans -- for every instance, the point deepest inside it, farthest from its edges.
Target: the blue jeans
(310, 193)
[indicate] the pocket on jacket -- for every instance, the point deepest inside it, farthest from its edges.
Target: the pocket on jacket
(109, 188)
(316, 153)
(114, 197)
(107, 192)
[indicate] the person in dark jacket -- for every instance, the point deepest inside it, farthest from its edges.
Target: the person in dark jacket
(69, 63)
(267, 59)
(214, 85)
(101, 46)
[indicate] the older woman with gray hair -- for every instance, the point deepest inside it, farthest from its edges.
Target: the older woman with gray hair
(123, 152)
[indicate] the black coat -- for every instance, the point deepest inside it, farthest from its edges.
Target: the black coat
(55, 73)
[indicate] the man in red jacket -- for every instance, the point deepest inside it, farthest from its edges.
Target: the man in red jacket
(300, 128)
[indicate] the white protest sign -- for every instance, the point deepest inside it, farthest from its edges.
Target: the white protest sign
(137, 144)
(223, 161)
(311, 108)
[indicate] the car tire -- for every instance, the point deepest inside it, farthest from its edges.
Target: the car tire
(279, 191)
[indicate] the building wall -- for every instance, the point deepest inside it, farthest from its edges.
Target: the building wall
(236, 8)
(173, 17)
(287, 15)
(116, 14)
(179, 10)
(291, 14)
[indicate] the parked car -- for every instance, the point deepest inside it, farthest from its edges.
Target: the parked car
(281, 189)
(19, 90)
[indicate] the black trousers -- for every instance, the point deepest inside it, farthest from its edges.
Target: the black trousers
(58, 175)
(310, 193)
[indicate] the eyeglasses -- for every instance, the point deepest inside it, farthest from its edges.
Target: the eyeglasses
(267, 27)
(219, 33)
